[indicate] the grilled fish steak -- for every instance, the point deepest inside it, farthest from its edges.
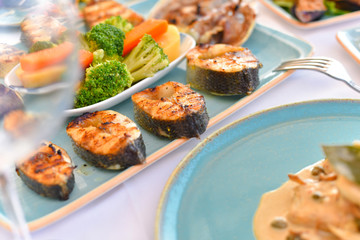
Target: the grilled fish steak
(20, 123)
(222, 69)
(172, 110)
(36, 28)
(48, 172)
(102, 10)
(107, 139)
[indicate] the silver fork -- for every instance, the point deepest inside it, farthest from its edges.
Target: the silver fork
(329, 66)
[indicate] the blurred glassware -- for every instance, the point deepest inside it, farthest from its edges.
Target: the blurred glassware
(27, 119)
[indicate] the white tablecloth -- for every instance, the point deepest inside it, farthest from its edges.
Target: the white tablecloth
(128, 211)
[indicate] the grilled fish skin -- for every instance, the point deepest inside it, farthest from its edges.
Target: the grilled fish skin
(9, 58)
(100, 11)
(107, 139)
(222, 69)
(48, 172)
(171, 110)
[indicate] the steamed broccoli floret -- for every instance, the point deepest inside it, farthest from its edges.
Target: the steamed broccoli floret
(103, 81)
(100, 56)
(41, 45)
(106, 37)
(146, 59)
(120, 23)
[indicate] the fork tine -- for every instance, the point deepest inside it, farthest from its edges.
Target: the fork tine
(304, 64)
(323, 59)
(329, 66)
(300, 61)
(309, 60)
(294, 67)
(320, 62)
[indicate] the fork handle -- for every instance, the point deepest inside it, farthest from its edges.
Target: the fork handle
(353, 85)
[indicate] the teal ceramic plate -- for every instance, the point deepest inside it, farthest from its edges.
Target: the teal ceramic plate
(324, 21)
(92, 183)
(350, 40)
(215, 190)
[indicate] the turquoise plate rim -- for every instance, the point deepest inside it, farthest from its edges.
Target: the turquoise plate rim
(173, 183)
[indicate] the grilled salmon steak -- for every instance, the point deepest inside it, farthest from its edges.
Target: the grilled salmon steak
(107, 139)
(171, 110)
(20, 123)
(102, 10)
(40, 28)
(48, 171)
(222, 69)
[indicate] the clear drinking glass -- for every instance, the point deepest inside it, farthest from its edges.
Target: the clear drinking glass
(32, 99)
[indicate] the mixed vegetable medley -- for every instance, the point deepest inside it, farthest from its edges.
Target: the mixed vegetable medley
(114, 55)
(122, 55)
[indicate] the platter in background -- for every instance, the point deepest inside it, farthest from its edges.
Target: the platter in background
(349, 39)
(91, 182)
(324, 21)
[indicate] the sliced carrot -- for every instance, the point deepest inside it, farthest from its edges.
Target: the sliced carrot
(85, 58)
(47, 57)
(153, 27)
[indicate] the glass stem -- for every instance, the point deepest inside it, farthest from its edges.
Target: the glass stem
(13, 207)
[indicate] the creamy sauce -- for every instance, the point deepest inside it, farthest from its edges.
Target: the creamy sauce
(276, 204)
